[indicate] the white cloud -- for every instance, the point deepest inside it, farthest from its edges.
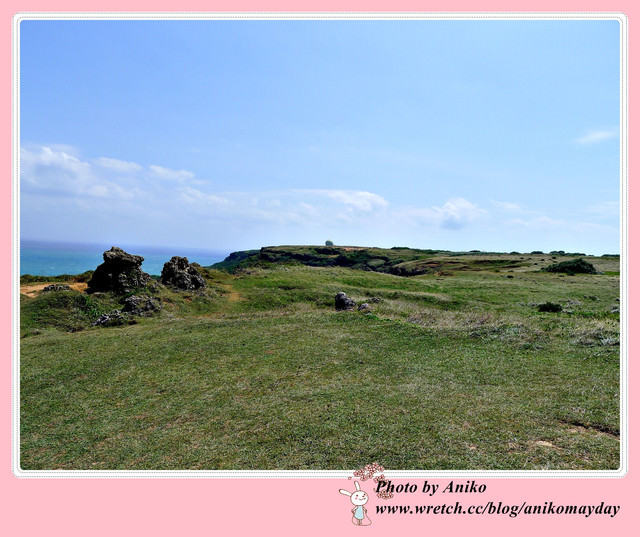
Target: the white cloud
(50, 171)
(58, 173)
(361, 200)
(606, 209)
(168, 174)
(456, 213)
(48, 157)
(306, 207)
(145, 199)
(542, 222)
(507, 206)
(159, 194)
(118, 165)
(191, 195)
(594, 137)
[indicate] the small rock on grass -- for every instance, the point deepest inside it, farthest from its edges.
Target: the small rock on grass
(56, 287)
(344, 303)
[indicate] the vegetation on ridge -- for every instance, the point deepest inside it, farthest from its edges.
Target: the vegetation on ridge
(400, 261)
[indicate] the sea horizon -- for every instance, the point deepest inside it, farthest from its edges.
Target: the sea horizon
(53, 258)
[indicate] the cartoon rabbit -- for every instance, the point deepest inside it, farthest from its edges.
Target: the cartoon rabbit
(358, 498)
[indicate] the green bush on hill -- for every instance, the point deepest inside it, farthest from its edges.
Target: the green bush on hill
(574, 266)
(550, 307)
(30, 278)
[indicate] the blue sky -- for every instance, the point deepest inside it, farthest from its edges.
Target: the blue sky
(489, 135)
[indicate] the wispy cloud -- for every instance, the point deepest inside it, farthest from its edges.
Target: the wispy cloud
(118, 165)
(594, 137)
(507, 206)
(605, 209)
(57, 172)
(456, 213)
(538, 222)
(155, 197)
(193, 195)
(168, 174)
(545, 225)
(361, 200)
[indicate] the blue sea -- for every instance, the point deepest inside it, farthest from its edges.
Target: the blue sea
(41, 258)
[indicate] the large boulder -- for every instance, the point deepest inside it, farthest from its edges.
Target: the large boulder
(180, 274)
(120, 273)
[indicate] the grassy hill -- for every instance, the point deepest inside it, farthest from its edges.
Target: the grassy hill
(453, 367)
(399, 261)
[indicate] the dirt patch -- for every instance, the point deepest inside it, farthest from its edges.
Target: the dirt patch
(232, 294)
(33, 289)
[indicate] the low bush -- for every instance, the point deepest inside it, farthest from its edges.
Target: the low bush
(550, 307)
(30, 278)
(574, 266)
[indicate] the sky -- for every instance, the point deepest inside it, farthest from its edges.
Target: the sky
(232, 135)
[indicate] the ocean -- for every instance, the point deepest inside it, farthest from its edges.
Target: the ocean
(40, 258)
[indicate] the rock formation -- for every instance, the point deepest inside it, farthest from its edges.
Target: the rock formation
(343, 302)
(56, 287)
(141, 305)
(120, 273)
(180, 274)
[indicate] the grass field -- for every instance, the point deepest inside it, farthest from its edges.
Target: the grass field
(453, 369)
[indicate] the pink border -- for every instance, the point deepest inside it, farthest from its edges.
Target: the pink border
(309, 506)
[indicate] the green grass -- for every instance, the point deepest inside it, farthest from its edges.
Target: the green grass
(260, 372)
(65, 310)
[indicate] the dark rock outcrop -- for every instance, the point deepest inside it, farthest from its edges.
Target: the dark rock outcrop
(343, 302)
(141, 305)
(133, 306)
(120, 273)
(180, 274)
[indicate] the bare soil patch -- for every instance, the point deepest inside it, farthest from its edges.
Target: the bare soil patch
(233, 295)
(32, 290)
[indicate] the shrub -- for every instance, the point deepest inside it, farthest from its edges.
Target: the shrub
(29, 278)
(575, 266)
(550, 307)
